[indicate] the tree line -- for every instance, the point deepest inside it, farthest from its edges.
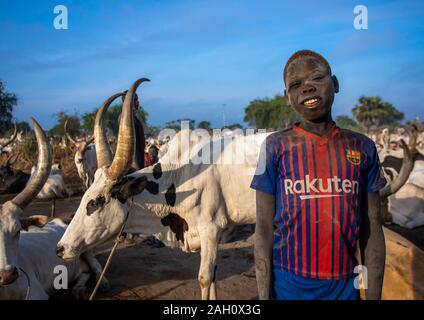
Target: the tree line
(370, 113)
(262, 113)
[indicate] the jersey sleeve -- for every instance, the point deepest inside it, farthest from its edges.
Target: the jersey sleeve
(374, 176)
(266, 172)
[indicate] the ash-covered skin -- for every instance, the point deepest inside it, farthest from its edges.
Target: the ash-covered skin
(310, 90)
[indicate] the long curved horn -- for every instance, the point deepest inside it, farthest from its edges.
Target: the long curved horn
(402, 177)
(103, 151)
(125, 149)
(44, 165)
(12, 138)
(67, 134)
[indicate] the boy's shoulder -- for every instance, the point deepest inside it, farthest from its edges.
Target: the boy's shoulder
(359, 137)
(277, 135)
(354, 134)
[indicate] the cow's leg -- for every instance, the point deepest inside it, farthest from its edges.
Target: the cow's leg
(212, 291)
(209, 237)
(80, 289)
(97, 269)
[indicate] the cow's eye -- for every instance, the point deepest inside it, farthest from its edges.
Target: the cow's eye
(95, 204)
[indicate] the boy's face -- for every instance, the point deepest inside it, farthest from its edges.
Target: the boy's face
(310, 88)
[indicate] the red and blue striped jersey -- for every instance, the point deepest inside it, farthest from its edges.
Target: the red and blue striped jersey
(318, 183)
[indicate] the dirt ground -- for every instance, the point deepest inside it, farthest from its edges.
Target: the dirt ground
(141, 271)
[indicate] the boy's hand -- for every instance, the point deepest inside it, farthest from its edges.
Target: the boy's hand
(373, 247)
(264, 235)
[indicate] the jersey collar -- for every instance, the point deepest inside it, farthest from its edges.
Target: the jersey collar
(321, 139)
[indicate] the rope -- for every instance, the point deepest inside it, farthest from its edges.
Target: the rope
(28, 282)
(53, 208)
(118, 240)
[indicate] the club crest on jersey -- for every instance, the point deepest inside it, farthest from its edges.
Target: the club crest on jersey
(353, 156)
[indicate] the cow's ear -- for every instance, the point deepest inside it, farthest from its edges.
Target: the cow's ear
(36, 220)
(128, 188)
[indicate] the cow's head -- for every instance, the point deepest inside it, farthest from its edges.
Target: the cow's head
(11, 220)
(81, 148)
(103, 207)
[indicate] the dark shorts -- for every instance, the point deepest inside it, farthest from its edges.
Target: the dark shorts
(288, 286)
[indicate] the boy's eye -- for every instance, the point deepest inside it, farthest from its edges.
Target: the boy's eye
(318, 78)
(294, 85)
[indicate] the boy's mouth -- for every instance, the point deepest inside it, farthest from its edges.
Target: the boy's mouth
(311, 103)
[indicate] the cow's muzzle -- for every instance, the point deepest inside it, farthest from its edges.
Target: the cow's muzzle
(66, 253)
(8, 276)
(60, 250)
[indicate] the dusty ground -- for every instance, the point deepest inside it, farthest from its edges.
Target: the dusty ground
(145, 272)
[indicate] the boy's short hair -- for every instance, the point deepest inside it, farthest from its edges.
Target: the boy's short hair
(302, 53)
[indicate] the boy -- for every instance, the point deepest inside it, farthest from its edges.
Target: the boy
(317, 197)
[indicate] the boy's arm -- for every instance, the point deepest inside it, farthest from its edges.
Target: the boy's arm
(264, 235)
(372, 245)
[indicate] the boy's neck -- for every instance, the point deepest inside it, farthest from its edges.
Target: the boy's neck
(320, 127)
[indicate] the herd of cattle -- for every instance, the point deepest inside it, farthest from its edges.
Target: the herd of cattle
(186, 205)
(406, 206)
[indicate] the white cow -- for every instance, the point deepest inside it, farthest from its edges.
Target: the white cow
(54, 187)
(32, 275)
(28, 264)
(195, 199)
(85, 158)
(406, 206)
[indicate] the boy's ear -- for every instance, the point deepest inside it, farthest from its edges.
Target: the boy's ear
(336, 84)
(286, 96)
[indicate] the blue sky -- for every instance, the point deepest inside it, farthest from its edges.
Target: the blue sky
(201, 55)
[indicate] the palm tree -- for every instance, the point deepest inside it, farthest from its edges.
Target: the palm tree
(372, 112)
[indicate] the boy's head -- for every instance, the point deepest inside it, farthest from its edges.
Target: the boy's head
(136, 103)
(310, 86)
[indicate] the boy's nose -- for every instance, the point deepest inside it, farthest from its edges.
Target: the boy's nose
(308, 89)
